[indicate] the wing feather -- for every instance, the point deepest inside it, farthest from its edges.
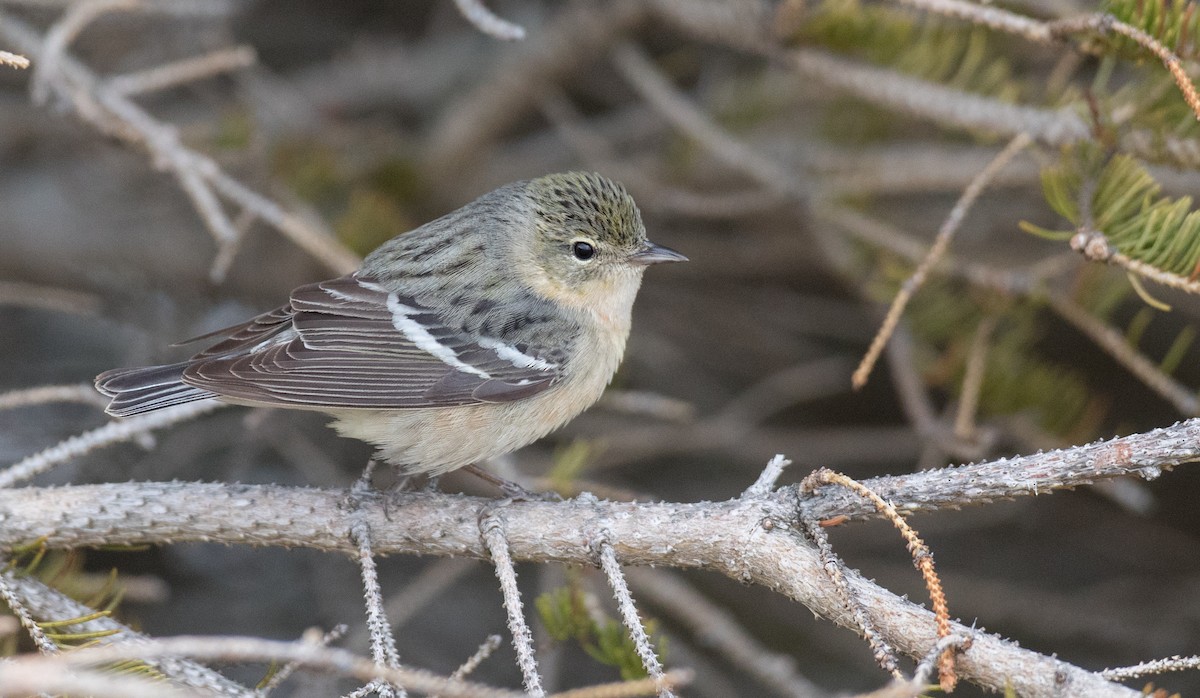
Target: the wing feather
(350, 342)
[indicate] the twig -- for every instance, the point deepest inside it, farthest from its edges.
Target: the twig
(225, 60)
(174, 8)
(1106, 23)
(1045, 32)
(20, 678)
(54, 45)
(383, 644)
(768, 477)
(629, 689)
(491, 531)
(50, 604)
(989, 16)
(115, 431)
(925, 667)
(485, 650)
(199, 175)
(328, 659)
(922, 557)
(13, 60)
(502, 98)
(83, 393)
(972, 383)
(290, 668)
(629, 614)
(1115, 345)
(1156, 666)
(487, 22)
(17, 606)
(945, 234)
(835, 571)
(1093, 245)
(48, 298)
(658, 91)
(918, 407)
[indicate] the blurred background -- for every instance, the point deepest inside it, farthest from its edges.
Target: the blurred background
(802, 194)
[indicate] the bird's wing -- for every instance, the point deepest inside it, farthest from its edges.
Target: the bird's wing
(352, 343)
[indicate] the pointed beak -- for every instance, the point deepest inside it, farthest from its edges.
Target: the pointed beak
(655, 254)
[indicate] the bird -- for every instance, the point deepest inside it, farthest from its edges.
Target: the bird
(464, 339)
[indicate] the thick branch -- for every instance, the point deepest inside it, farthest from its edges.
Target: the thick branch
(746, 539)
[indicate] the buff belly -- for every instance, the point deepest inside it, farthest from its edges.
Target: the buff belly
(438, 440)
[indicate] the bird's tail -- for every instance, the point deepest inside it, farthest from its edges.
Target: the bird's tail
(137, 390)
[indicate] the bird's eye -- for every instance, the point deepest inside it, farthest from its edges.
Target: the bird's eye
(583, 251)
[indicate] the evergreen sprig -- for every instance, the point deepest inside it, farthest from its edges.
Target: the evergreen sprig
(1173, 23)
(920, 45)
(565, 615)
(1126, 207)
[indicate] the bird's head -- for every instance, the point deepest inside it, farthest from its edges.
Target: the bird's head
(589, 244)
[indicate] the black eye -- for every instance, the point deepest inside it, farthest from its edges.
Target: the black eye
(583, 251)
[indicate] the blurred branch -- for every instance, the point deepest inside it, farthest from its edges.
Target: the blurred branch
(47, 298)
(201, 178)
(717, 628)
(487, 22)
(82, 393)
(472, 122)
(116, 431)
(13, 60)
(941, 243)
(162, 77)
(48, 604)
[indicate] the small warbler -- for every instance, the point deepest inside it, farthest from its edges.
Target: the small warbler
(467, 338)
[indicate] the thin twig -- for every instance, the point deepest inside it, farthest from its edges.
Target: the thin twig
(1115, 345)
(972, 382)
(922, 557)
(285, 671)
(13, 60)
(17, 606)
(487, 22)
(931, 659)
(491, 531)
(83, 393)
(199, 175)
(1093, 245)
(383, 644)
(485, 650)
(328, 659)
(50, 604)
(629, 615)
(945, 234)
(48, 298)
(835, 571)
(658, 91)
(768, 477)
(629, 689)
(1155, 666)
(115, 431)
(225, 60)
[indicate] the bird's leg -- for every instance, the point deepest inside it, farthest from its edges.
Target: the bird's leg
(511, 489)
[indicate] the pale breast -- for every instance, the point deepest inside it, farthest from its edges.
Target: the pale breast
(439, 440)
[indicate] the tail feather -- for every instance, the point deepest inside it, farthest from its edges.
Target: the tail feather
(137, 390)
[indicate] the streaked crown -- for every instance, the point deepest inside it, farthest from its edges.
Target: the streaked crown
(573, 203)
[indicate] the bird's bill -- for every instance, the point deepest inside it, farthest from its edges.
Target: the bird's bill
(656, 254)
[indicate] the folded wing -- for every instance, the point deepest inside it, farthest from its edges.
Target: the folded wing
(350, 342)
